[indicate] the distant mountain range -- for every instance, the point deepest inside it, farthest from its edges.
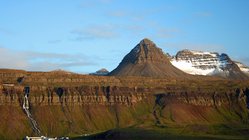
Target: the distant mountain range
(146, 59)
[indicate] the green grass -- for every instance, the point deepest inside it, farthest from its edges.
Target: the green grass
(188, 132)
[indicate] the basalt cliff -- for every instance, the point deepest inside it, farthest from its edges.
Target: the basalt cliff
(168, 100)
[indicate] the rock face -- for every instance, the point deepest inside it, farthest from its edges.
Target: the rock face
(146, 59)
(207, 63)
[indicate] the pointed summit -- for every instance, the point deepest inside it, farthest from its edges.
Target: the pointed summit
(145, 51)
(146, 59)
(147, 41)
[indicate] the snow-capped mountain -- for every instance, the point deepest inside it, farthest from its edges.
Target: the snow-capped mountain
(208, 63)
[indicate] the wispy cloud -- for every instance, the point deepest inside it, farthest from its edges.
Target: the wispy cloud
(36, 61)
(9, 59)
(95, 32)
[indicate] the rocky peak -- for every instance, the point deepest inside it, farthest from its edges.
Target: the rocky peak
(145, 51)
(146, 59)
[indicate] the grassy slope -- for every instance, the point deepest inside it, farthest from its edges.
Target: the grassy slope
(180, 121)
(76, 120)
(13, 123)
(177, 121)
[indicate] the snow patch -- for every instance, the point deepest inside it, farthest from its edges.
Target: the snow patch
(189, 68)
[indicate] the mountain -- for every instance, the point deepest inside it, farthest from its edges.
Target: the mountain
(101, 72)
(146, 59)
(209, 63)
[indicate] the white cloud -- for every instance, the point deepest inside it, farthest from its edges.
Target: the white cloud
(36, 61)
(10, 59)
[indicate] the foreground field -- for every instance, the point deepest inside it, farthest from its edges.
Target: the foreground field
(189, 132)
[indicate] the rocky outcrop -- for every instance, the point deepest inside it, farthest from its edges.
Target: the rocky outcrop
(112, 95)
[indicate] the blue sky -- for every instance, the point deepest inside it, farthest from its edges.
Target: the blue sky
(86, 35)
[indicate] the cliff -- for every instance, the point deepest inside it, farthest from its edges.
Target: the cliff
(64, 104)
